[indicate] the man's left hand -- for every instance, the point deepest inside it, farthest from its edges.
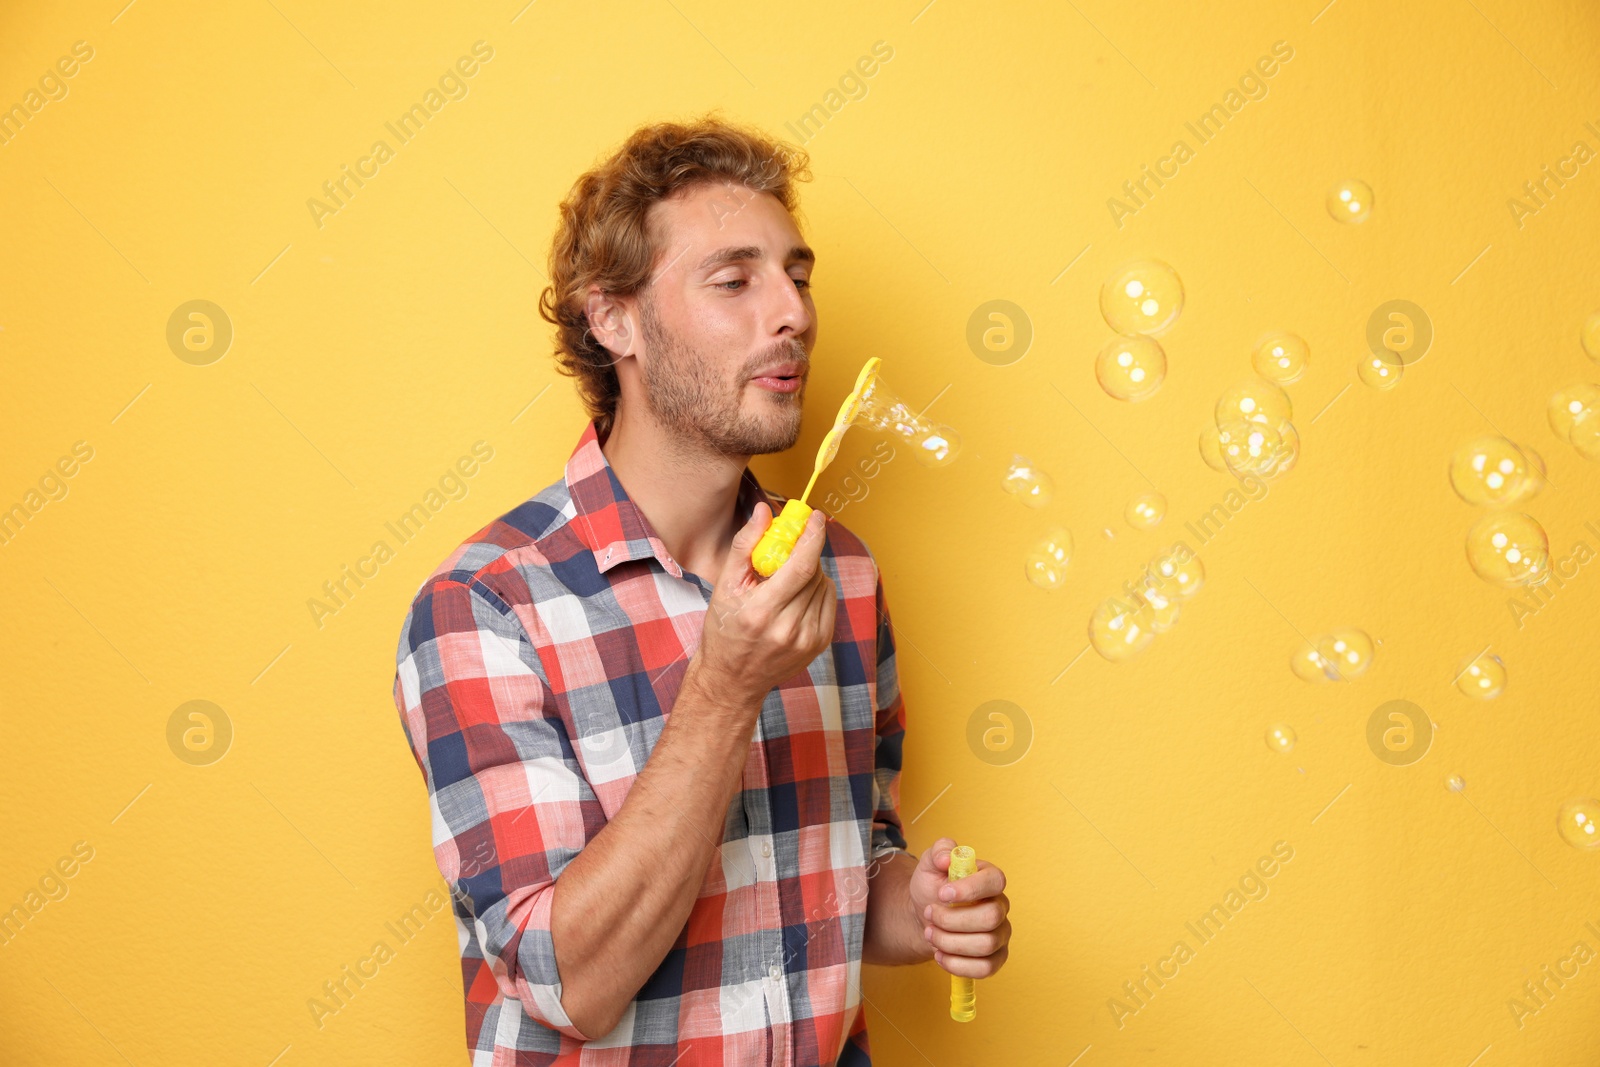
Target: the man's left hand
(964, 922)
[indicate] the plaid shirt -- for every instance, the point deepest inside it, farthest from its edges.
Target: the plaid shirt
(537, 666)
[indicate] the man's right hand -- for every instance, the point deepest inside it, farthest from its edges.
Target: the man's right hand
(760, 631)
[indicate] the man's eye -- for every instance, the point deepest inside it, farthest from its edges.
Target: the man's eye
(804, 283)
(736, 281)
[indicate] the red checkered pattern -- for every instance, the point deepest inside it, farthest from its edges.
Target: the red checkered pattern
(536, 669)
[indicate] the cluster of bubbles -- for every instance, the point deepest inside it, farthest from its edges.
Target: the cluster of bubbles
(1506, 546)
(1510, 548)
(1140, 301)
(1046, 561)
(1252, 432)
(1484, 678)
(1123, 626)
(1340, 656)
(880, 407)
(1350, 201)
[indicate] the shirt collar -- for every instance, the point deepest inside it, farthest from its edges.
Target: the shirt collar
(607, 520)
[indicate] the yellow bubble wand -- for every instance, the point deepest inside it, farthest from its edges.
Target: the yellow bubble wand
(778, 541)
(963, 996)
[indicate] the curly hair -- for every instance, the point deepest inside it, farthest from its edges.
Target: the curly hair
(604, 238)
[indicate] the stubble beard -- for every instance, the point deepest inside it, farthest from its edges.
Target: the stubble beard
(688, 394)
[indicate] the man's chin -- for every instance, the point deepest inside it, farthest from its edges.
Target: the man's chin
(773, 434)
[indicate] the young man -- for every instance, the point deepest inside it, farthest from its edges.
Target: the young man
(665, 790)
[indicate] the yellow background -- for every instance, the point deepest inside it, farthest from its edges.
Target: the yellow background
(372, 352)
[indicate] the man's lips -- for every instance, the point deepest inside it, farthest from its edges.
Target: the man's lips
(786, 377)
(791, 369)
(780, 384)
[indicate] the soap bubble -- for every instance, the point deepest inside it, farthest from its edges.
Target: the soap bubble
(1350, 201)
(878, 406)
(1378, 372)
(1120, 629)
(1341, 656)
(1145, 511)
(1281, 737)
(1586, 433)
(1288, 452)
(1489, 471)
(1590, 335)
(1164, 603)
(1211, 449)
(1309, 665)
(1483, 679)
(1577, 824)
(1024, 480)
(1143, 297)
(937, 446)
(1047, 560)
(1254, 400)
(1455, 783)
(1178, 571)
(1569, 403)
(1509, 548)
(1131, 368)
(1281, 358)
(1248, 447)
(1348, 652)
(1535, 479)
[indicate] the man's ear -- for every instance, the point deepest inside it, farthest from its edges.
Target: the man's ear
(610, 322)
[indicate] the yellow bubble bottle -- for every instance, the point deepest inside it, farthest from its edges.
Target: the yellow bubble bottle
(778, 541)
(963, 997)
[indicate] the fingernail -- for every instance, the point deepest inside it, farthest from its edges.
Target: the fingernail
(927, 913)
(927, 933)
(947, 893)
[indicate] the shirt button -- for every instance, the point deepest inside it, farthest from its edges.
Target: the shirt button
(766, 850)
(772, 972)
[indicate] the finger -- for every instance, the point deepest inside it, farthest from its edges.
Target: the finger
(971, 967)
(827, 606)
(806, 606)
(788, 580)
(751, 531)
(828, 611)
(967, 918)
(987, 881)
(793, 611)
(978, 945)
(738, 565)
(937, 855)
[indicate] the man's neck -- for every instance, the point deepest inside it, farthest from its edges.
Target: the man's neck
(688, 493)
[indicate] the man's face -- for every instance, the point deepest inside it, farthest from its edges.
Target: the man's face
(728, 322)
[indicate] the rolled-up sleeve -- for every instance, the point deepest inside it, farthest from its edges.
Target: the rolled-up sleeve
(887, 834)
(510, 805)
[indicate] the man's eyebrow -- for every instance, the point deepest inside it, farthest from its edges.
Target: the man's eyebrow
(797, 254)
